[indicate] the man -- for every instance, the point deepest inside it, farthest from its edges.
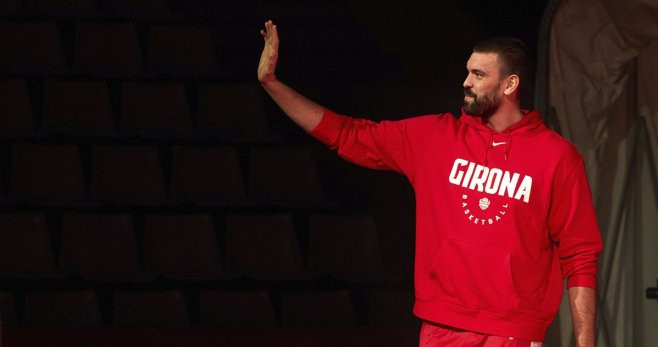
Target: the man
(504, 210)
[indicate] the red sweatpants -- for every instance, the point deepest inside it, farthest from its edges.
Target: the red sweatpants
(438, 335)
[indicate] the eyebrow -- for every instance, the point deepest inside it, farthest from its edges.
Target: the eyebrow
(476, 71)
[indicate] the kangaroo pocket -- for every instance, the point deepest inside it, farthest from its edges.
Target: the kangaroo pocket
(474, 277)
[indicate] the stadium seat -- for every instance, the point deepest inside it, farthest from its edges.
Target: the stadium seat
(16, 118)
(11, 7)
(100, 246)
(232, 112)
(77, 108)
(150, 309)
(155, 109)
(74, 309)
(318, 309)
(251, 308)
(30, 48)
(47, 173)
(137, 9)
(108, 50)
(25, 248)
(391, 308)
(284, 176)
(64, 8)
(263, 246)
(182, 246)
(181, 51)
(127, 174)
(344, 246)
(7, 309)
(208, 175)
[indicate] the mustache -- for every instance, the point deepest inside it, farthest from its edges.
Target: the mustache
(469, 92)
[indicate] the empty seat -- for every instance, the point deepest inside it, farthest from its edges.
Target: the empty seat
(108, 49)
(150, 309)
(51, 173)
(7, 309)
(284, 176)
(148, 9)
(248, 308)
(395, 231)
(25, 249)
(159, 109)
(344, 246)
(234, 112)
(11, 7)
(100, 247)
(75, 309)
(183, 51)
(207, 175)
(263, 246)
(391, 308)
(330, 308)
(64, 8)
(16, 114)
(181, 247)
(80, 108)
(30, 48)
(127, 175)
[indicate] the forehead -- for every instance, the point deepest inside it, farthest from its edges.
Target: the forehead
(487, 62)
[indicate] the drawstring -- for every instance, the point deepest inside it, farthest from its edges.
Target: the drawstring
(508, 145)
(489, 145)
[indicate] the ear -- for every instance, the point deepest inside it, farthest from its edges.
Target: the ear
(512, 84)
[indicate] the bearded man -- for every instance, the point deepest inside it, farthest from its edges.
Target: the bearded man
(504, 210)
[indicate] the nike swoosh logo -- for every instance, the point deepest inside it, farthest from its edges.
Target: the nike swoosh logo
(498, 143)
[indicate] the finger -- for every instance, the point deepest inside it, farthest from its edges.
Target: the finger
(275, 35)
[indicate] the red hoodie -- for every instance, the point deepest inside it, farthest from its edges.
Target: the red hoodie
(501, 219)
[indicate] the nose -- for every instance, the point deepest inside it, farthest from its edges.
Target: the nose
(467, 82)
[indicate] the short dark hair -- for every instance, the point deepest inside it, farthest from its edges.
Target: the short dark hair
(513, 54)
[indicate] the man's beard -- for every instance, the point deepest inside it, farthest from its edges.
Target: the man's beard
(482, 106)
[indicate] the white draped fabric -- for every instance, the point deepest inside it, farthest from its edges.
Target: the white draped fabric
(600, 86)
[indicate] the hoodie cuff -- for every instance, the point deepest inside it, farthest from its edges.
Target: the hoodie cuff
(582, 281)
(328, 127)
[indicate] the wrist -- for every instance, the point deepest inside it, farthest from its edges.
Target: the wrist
(269, 83)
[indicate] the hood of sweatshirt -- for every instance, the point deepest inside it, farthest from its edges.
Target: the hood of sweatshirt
(529, 125)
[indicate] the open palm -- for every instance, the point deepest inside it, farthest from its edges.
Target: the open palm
(270, 54)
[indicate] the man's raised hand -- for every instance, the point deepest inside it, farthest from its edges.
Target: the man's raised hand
(306, 113)
(268, 58)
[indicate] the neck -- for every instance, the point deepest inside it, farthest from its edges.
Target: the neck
(506, 115)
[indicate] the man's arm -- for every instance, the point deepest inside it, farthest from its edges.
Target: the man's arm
(582, 302)
(306, 113)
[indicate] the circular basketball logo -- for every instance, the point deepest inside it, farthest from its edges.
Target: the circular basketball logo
(482, 211)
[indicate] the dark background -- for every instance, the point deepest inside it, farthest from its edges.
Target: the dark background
(372, 59)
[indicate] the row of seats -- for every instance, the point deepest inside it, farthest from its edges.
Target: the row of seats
(230, 112)
(170, 308)
(91, 8)
(167, 10)
(54, 173)
(106, 247)
(109, 49)
(128, 50)
(180, 51)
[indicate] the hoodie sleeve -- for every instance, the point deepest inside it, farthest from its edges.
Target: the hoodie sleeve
(386, 145)
(574, 228)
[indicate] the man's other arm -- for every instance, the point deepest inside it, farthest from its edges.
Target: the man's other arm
(582, 302)
(306, 113)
